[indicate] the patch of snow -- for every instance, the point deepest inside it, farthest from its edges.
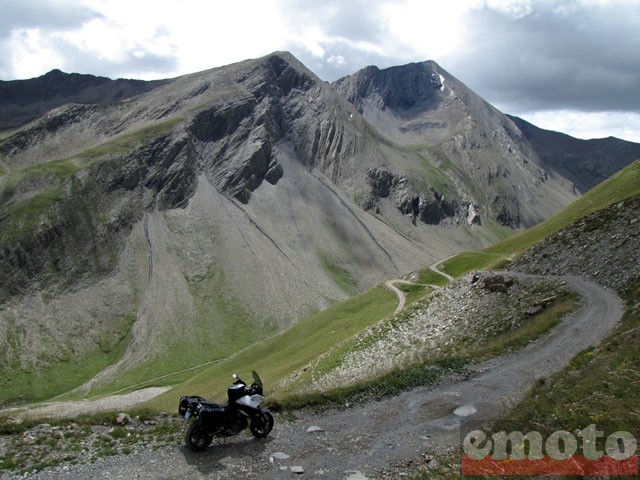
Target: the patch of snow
(442, 82)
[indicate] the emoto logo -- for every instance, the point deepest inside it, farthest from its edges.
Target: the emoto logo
(583, 452)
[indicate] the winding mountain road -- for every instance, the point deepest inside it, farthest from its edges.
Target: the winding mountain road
(363, 440)
(402, 299)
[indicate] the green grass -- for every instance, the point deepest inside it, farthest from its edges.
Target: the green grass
(60, 168)
(126, 142)
(622, 185)
(23, 217)
(222, 326)
(277, 357)
(340, 276)
(429, 277)
(62, 375)
(468, 261)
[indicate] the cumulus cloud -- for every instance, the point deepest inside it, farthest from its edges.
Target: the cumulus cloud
(43, 14)
(570, 55)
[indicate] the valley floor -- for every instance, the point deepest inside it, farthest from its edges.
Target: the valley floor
(379, 439)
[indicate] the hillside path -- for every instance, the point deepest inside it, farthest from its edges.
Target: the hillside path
(364, 440)
(434, 268)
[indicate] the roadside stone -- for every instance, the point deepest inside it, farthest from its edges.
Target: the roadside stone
(297, 469)
(314, 429)
(355, 475)
(433, 464)
(123, 419)
(280, 456)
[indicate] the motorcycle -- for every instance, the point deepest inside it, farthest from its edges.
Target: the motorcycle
(209, 419)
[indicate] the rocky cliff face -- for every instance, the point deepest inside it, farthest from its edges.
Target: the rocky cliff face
(209, 210)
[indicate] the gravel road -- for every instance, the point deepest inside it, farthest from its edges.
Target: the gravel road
(364, 440)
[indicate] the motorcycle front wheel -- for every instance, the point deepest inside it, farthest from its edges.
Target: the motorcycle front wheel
(196, 438)
(261, 425)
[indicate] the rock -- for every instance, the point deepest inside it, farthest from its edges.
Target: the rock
(280, 456)
(355, 475)
(433, 464)
(123, 419)
(314, 428)
(297, 469)
(473, 215)
(536, 309)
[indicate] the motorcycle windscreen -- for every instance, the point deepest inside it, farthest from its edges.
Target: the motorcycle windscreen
(256, 379)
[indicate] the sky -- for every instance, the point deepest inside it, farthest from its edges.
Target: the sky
(566, 65)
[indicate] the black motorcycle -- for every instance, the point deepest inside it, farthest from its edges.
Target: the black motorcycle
(209, 419)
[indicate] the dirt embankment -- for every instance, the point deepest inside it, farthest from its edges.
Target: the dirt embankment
(603, 246)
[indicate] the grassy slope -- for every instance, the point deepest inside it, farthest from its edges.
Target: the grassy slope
(623, 184)
(278, 356)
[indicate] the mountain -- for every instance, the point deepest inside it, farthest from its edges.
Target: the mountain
(481, 156)
(148, 227)
(586, 163)
(24, 100)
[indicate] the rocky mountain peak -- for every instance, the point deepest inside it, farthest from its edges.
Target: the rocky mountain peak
(401, 87)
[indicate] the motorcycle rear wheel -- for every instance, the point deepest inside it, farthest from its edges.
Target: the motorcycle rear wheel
(196, 438)
(262, 425)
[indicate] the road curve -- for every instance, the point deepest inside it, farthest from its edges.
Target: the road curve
(434, 268)
(402, 299)
(369, 437)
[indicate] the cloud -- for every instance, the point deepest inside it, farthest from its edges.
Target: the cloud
(572, 55)
(43, 14)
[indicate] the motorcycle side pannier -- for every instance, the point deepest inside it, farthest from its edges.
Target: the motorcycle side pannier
(211, 411)
(187, 402)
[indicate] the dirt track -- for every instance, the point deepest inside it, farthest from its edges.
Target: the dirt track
(368, 438)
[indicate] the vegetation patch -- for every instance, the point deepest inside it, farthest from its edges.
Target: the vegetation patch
(279, 356)
(530, 330)
(471, 261)
(429, 277)
(340, 276)
(25, 216)
(127, 142)
(22, 386)
(60, 168)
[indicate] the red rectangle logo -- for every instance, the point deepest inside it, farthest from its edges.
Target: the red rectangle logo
(576, 465)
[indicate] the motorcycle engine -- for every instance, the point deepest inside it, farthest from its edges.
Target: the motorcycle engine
(237, 423)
